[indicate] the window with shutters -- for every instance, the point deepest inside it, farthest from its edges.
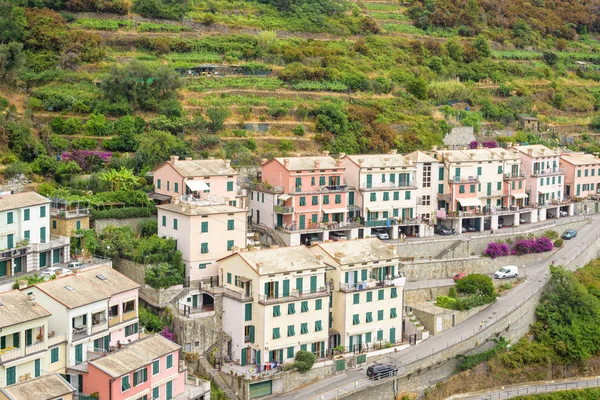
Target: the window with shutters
(373, 196)
(155, 367)
(248, 312)
(291, 309)
(230, 186)
(156, 393)
(276, 311)
(230, 225)
(290, 350)
(175, 223)
(54, 355)
(321, 180)
(276, 334)
(355, 319)
(290, 331)
(461, 189)
(380, 315)
(170, 361)
(204, 248)
(369, 297)
(140, 376)
(229, 277)
(356, 298)
(204, 227)
(42, 211)
(326, 199)
(26, 214)
(9, 217)
(164, 220)
(380, 294)
(394, 293)
(318, 304)
(386, 196)
(302, 201)
(315, 200)
(304, 328)
(125, 386)
(230, 244)
(338, 199)
(304, 306)
(393, 313)
(318, 326)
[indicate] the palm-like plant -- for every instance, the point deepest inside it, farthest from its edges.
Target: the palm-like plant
(121, 179)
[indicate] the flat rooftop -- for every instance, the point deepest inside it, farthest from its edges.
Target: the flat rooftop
(16, 308)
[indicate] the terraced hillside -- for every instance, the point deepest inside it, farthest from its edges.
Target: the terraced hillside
(252, 79)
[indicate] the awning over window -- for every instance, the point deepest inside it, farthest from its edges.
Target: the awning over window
(470, 202)
(285, 197)
(378, 209)
(335, 210)
(519, 195)
(197, 186)
(545, 189)
(159, 197)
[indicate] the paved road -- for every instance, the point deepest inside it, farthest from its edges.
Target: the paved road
(531, 388)
(537, 274)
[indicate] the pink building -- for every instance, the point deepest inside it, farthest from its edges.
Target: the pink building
(207, 179)
(582, 174)
(147, 368)
(303, 193)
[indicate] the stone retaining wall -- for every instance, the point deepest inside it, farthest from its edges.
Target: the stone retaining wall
(102, 224)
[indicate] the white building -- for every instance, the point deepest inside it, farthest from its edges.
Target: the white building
(25, 241)
(275, 303)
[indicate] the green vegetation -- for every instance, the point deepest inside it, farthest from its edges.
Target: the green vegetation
(583, 394)
(474, 290)
(304, 360)
(476, 359)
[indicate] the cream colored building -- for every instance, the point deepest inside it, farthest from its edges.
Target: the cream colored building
(46, 387)
(27, 348)
(367, 291)
(205, 231)
(275, 302)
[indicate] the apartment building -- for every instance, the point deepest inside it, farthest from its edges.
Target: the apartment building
(45, 387)
(210, 179)
(545, 180)
(149, 368)
(205, 232)
(367, 297)
(83, 307)
(275, 302)
(304, 198)
(582, 174)
(426, 178)
(28, 346)
(25, 240)
(67, 217)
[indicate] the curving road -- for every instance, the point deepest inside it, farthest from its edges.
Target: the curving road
(537, 275)
(531, 388)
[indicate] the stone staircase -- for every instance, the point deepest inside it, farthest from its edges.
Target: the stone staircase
(214, 374)
(414, 325)
(270, 232)
(448, 250)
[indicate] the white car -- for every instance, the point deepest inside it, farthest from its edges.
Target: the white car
(48, 272)
(510, 271)
(380, 233)
(74, 264)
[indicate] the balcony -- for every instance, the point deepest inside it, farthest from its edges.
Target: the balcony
(66, 214)
(10, 353)
(333, 188)
(294, 295)
(515, 177)
(235, 295)
(56, 339)
(79, 333)
(493, 193)
(265, 187)
(21, 248)
(379, 223)
(463, 179)
(54, 242)
(283, 210)
(401, 185)
(548, 172)
(114, 320)
(129, 315)
(315, 227)
(370, 284)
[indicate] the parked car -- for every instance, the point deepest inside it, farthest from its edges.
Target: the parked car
(378, 371)
(459, 276)
(380, 233)
(564, 213)
(336, 236)
(74, 264)
(510, 271)
(469, 228)
(570, 234)
(443, 230)
(463, 229)
(522, 221)
(312, 239)
(48, 272)
(500, 222)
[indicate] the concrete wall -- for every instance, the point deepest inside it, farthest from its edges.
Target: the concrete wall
(437, 319)
(198, 332)
(101, 224)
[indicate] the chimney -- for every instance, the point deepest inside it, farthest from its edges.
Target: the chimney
(188, 159)
(434, 148)
(393, 151)
(227, 163)
(320, 259)
(325, 153)
(393, 249)
(472, 155)
(339, 256)
(342, 155)
(317, 164)
(543, 151)
(286, 162)
(173, 159)
(31, 297)
(530, 151)
(22, 284)
(360, 162)
(263, 161)
(339, 163)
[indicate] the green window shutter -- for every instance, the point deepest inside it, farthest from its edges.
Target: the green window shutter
(386, 196)
(478, 170)
(338, 199)
(276, 311)
(169, 361)
(267, 296)
(176, 185)
(290, 350)
(396, 195)
(303, 347)
(29, 337)
(351, 198)
(175, 223)
(326, 199)
(291, 309)
(15, 340)
(229, 277)
(9, 217)
(156, 392)
(158, 183)
(276, 334)
(155, 367)
(499, 169)
(251, 333)
(441, 174)
(355, 319)
(26, 214)
(373, 196)
(318, 304)
(37, 368)
(304, 306)
(368, 337)
(230, 245)
(369, 317)
(3, 342)
(204, 227)
(164, 220)
(204, 248)
(299, 285)
(290, 331)
(125, 383)
(380, 315)
(394, 293)
(363, 275)
(369, 297)
(302, 201)
(258, 357)
(230, 186)
(407, 195)
(42, 211)
(380, 335)
(393, 312)
(356, 298)
(11, 375)
(286, 288)
(347, 274)
(380, 294)
(313, 284)
(315, 200)
(312, 181)
(318, 326)
(230, 225)
(169, 390)
(321, 180)
(276, 289)
(248, 311)
(54, 355)
(304, 328)
(314, 218)
(136, 380)
(298, 182)
(27, 234)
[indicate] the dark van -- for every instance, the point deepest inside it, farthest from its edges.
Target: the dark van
(378, 371)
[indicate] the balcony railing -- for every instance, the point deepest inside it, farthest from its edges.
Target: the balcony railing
(265, 187)
(235, 295)
(81, 212)
(35, 348)
(283, 210)
(294, 295)
(54, 242)
(99, 328)
(517, 176)
(112, 321)
(463, 179)
(403, 184)
(548, 172)
(378, 223)
(492, 193)
(365, 285)
(56, 339)
(333, 188)
(21, 248)
(129, 315)
(9, 354)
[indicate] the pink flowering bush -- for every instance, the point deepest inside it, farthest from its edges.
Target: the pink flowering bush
(488, 145)
(88, 160)
(167, 334)
(495, 250)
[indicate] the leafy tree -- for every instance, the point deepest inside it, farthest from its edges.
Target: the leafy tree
(127, 128)
(11, 61)
(454, 49)
(166, 9)
(17, 168)
(58, 144)
(304, 360)
(217, 117)
(12, 21)
(476, 284)
(483, 46)
(550, 58)
(522, 32)
(330, 117)
(156, 147)
(559, 100)
(149, 320)
(46, 29)
(98, 125)
(44, 165)
(418, 88)
(121, 179)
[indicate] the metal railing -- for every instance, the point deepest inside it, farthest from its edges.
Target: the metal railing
(55, 241)
(235, 295)
(294, 295)
(548, 172)
(541, 388)
(518, 175)
(372, 283)
(283, 209)
(463, 179)
(403, 184)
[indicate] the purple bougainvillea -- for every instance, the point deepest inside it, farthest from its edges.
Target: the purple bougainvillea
(166, 333)
(489, 145)
(88, 161)
(520, 247)
(495, 250)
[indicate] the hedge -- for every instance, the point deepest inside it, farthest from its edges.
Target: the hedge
(122, 213)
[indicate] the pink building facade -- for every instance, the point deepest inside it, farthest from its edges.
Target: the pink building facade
(582, 174)
(149, 367)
